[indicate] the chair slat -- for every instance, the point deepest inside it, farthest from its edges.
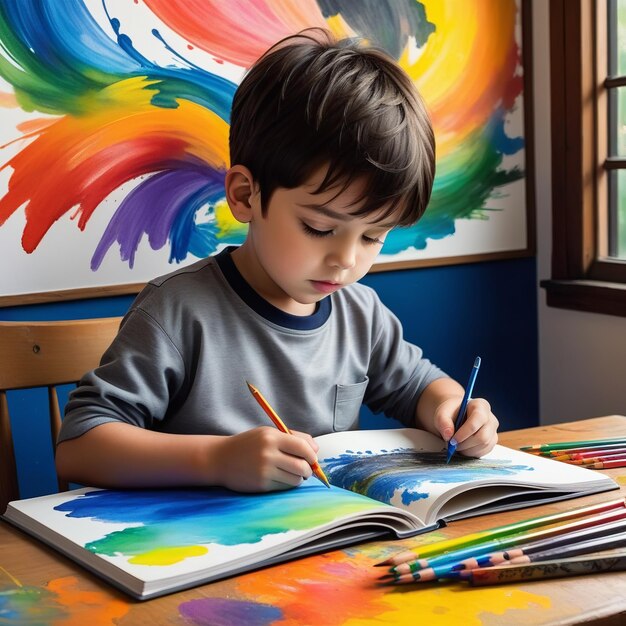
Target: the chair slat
(36, 353)
(44, 354)
(9, 489)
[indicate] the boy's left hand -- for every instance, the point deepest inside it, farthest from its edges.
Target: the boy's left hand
(477, 435)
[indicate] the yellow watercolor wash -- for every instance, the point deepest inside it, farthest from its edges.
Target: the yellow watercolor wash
(621, 480)
(450, 606)
(226, 224)
(168, 556)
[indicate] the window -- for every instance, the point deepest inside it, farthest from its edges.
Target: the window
(588, 73)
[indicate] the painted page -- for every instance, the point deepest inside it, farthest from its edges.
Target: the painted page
(173, 538)
(407, 468)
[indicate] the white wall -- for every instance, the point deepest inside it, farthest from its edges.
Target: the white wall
(582, 356)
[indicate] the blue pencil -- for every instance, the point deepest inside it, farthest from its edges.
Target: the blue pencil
(460, 418)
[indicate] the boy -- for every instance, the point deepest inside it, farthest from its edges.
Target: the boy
(331, 147)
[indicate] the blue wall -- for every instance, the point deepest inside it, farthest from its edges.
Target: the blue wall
(454, 313)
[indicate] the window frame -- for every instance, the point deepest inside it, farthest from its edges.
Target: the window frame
(583, 277)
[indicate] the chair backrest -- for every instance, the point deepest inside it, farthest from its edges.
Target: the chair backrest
(44, 354)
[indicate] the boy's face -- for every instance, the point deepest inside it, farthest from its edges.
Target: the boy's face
(308, 245)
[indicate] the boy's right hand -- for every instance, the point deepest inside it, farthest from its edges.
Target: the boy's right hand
(265, 459)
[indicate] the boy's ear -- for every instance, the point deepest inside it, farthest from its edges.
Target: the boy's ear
(240, 189)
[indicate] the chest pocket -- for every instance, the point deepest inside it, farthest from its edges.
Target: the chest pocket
(348, 400)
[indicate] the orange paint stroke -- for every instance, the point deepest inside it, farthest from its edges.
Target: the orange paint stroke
(8, 100)
(326, 589)
(96, 608)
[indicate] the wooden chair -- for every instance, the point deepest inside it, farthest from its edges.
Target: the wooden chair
(44, 354)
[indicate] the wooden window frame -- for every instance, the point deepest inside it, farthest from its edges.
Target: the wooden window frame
(583, 278)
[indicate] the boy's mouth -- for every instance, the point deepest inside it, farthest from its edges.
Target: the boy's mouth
(326, 286)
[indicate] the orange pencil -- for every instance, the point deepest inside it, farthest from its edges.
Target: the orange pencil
(585, 457)
(599, 459)
(606, 464)
(265, 405)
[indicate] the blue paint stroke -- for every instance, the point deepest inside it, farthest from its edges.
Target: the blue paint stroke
(381, 476)
(189, 517)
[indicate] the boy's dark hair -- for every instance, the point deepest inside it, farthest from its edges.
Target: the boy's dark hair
(312, 100)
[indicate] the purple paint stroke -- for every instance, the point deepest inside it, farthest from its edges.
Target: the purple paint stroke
(157, 207)
(224, 612)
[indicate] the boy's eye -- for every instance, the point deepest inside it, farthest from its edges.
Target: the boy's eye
(373, 240)
(314, 232)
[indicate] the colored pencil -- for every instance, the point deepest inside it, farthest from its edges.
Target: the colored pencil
(584, 534)
(572, 444)
(558, 568)
(456, 557)
(607, 464)
(599, 464)
(460, 417)
(446, 545)
(574, 456)
(597, 459)
(561, 451)
(449, 571)
(265, 405)
(597, 544)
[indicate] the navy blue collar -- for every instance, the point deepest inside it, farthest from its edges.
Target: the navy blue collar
(262, 306)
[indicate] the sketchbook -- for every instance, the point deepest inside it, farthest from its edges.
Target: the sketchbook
(392, 483)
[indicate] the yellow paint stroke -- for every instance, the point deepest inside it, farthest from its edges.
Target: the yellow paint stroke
(12, 578)
(96, 608)
(226, 223)
(621, 480)
(168, 556)
(452, 605)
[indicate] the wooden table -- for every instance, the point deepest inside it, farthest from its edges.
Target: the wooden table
(333, 589)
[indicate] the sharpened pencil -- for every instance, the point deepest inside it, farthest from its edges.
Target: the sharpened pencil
(460, 418)
(265, 405)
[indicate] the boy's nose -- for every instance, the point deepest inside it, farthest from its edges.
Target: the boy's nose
(343, 257)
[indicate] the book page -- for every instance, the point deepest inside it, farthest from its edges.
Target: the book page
(407, 468)
(170, 534)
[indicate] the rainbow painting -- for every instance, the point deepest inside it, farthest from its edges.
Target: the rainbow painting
(115, 113)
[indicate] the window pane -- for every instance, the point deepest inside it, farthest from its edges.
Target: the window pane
(617, 122)
(620, 52)
(617, 219)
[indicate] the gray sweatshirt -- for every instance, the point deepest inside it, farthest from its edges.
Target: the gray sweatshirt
(192, 338)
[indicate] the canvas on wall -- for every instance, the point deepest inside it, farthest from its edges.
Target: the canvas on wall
(114, 130)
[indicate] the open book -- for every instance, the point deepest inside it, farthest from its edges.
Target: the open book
(385, 482)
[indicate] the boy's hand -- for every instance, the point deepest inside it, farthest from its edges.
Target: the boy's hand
(266, 459)
(477, 435)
